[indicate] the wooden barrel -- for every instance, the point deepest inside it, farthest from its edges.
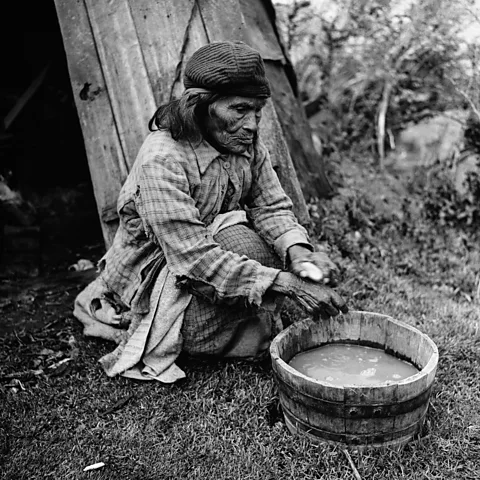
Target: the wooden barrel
(385, 415)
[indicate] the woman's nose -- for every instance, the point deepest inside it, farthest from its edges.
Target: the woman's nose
(251, 123)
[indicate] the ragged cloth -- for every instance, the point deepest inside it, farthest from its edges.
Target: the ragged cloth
(149, 348)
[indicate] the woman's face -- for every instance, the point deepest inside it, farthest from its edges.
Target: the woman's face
(232, 122)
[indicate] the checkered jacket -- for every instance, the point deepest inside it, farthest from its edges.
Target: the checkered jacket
(173, 192)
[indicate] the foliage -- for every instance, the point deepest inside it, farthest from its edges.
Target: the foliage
(376, 65)
(446, 206)
(472, 134)
(418, 226)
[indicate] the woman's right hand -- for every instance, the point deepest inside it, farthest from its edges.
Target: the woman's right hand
(314, 297)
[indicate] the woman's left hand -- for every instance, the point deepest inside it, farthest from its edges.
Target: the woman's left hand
(315, 266)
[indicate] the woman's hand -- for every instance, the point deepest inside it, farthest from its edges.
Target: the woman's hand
(315, 266)
(316, 299)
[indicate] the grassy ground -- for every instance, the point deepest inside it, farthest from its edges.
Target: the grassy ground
(61, 413)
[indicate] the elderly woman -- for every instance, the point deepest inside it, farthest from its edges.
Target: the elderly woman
(206, 232)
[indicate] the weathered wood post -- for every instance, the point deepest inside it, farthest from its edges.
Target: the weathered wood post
(127, 57)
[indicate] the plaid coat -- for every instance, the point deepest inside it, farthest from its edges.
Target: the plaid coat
(173, 192)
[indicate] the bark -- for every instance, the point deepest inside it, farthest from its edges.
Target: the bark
(381, 121)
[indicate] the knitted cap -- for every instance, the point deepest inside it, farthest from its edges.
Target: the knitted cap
(231, 68)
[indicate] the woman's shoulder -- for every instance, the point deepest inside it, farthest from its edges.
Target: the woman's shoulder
(160, 144)
(160, 148)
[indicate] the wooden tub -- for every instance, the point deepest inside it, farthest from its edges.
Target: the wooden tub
(387, 415)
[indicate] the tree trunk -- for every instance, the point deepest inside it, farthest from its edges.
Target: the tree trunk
(381, 122)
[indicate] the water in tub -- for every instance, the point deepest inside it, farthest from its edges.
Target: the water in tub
(344, 364)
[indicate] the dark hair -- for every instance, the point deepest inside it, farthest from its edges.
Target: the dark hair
(183, 117)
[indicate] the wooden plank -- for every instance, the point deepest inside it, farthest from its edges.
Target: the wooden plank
(241, 20)
(168, 31)
(373, 328)
(223, 20)
(161, 52)
(108, 167)
(325, 422)
(308, 410)
(361, 426)
(126, 78)
(270, 12)
(370, 395)
(403, 340)
(343, 328)
(428, 358)
(296, 129)
(271, 134)
(194, 38)
(261, 31)
(415, 417)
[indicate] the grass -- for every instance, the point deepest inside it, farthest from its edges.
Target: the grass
(223, 421)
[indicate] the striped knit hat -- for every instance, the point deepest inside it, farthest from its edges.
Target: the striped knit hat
(231, 68)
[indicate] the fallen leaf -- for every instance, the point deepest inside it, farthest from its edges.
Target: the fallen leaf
(61, 367)
(45, 352)
(119, 404)
(94, 466)
(61, 362)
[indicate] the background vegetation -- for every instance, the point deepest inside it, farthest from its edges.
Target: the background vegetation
(374, 66)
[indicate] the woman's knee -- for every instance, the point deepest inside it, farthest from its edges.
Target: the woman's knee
(243, 240)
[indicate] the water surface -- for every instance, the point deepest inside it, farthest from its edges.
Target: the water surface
(344, 364)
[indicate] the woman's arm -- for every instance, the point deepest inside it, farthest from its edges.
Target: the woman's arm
(171, 218)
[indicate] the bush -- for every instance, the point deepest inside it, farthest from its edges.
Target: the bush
(444, 206)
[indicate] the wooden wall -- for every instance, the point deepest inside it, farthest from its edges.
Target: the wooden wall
(126, 57)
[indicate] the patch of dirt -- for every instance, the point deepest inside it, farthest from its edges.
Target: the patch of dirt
(38, 280)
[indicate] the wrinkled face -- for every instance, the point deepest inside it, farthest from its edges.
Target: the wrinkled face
(233, 122)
